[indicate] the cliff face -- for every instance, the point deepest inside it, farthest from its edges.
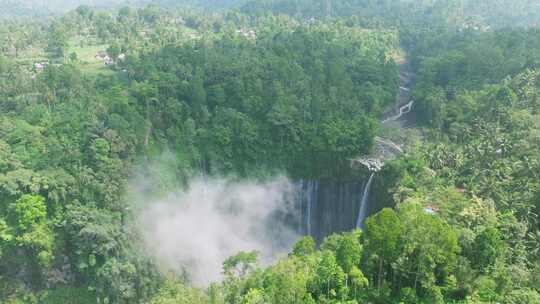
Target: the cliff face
(326, 206)
(329, 206)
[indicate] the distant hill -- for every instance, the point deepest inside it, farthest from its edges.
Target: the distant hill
(216, 4)
(32, 8)
(36, 8)
(495, 13)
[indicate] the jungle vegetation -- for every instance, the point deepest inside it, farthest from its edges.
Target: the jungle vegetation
(262, 88)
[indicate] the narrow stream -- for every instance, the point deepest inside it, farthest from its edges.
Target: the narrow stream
(402, 110)
(406, 105)
(328, 206)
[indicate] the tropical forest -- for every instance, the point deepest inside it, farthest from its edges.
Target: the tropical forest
(269, 151)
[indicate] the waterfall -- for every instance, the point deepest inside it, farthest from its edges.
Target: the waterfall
(300, 194)
(324, 207)
(402, 110)
(308, 206)
(331, 205)
(308, 198)
(311, 200)
(364, 203)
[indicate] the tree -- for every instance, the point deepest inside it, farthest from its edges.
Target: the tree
(349, 251)
(57, 41)
(286, 282)
(240, 264)
(73, 57)
(329, 279)
(198, 93)
(114, 51)
(487, 248)
(85, 12)
(383, 237)
(32, 230)
(254, 296)
(27, 212)
(526, 295)
(304, 247)
(5, 236)
(429, 248)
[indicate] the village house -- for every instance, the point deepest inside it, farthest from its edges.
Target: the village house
(40, 66)
(431, 209)
(108, 60)
(103, 56)
(247, 33)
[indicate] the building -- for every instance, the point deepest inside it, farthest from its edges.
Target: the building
(40, 66)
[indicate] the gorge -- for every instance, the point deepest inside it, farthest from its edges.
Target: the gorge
(329, 206)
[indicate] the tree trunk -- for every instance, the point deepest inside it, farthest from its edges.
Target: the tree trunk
(379, 281)
(148, 130)
(416, 277)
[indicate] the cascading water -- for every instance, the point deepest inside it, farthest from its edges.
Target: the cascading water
(300, 198)
(307, 198)
(328, 206)
(312, 203)
(309, 203)
(364, 203)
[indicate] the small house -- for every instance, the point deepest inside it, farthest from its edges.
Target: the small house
(103, 56)
(431, 209)
(40, 66)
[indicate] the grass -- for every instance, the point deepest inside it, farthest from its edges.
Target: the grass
(86, 56)
(31, 55)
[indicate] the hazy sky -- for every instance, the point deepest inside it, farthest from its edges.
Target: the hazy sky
(47, 6)
(41, 7)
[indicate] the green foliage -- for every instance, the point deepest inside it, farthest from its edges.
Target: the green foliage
(28, 212)
(5, 235)
(522, 296)
(240, 264)
(32, 231)
(57, 41)
(488, 246)
(114, 51)
(68, 295)
(304, 247)
(383, 233)
(465, 13)
(273, 91)
(476, 174)
(284, 106)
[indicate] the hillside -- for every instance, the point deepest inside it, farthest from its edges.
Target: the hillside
(212, 152)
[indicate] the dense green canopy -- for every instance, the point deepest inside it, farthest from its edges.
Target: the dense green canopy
(89, 98)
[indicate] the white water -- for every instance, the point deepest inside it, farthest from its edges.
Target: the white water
(375, 164)
(389, 144)
(311, 189)
(364, 203)
(309, 201)
(403, 110)
(405, 89)
(300, 186)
